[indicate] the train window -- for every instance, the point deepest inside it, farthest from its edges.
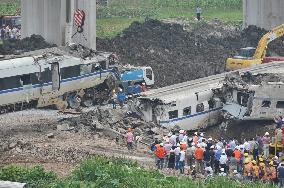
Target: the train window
(200, 107)
(211, 103)
(69, 72)
(96, 67)
(45, 76)
(35, 78)
(280, 104)
(86, 69)
(149, 73)
(187, 111)
(242, 98)
(266, 104)
(26, 79)
(173, 114)
(10, 83)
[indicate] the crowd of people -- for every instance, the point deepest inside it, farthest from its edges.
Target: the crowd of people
(199, 155)
(10, 33)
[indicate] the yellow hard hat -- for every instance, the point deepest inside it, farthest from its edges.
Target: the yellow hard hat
(261, 164)
(246, 154)
(246, 162)
(261, 159)
(253, 162)
(271, 163)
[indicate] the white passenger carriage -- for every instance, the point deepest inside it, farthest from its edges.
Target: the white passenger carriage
(188, 105)
(50, 79)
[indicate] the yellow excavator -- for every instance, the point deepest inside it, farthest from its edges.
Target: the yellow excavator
(251, 56)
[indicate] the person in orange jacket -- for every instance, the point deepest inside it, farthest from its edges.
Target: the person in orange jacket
(247, 170)
(160, 154)
(199, 159)
(262, 172)
(272, 172)
(255, 170)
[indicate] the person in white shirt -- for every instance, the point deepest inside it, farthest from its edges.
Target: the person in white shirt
(222, 173)
(223, 160)
(177, 151)
(181, 161)
(173, 140)
(208, 169)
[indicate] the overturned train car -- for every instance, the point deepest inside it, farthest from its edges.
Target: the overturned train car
(248, 96)
(51, 79)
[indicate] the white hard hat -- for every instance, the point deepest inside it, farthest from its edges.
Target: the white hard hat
(283, 119)
(210, 139)
(212, 147)
(222, 169)
(266, 134)
(235, 172)
(201, 134)
(120, 89)
(161, 144)
(181, 131)
(190, 139)
(143, 83)
(195, 133)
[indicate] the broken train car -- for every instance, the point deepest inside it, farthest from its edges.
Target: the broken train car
(188, 105)
(53, 77)
(253, 93)
(253, 96)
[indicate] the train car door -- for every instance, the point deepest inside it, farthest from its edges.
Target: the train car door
(55, 75)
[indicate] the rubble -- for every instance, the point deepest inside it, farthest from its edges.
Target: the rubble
(112, 123)
(34, 42)
(182, 50)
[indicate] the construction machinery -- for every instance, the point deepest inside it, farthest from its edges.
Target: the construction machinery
(251, 56)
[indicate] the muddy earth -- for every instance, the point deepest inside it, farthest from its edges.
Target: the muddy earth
(181, 50)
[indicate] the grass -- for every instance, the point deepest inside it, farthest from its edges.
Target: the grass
(103, 172)
(110, 27)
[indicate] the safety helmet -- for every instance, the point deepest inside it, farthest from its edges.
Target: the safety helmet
(271, 163)
(253, 162)
(246, 154)
(261, 159)
(266, 134)
(162, 144)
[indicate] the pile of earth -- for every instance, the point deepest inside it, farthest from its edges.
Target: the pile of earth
(181, 52)
(34, 42)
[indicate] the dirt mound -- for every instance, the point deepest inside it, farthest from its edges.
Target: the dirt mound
(34, 42)
(182, 52)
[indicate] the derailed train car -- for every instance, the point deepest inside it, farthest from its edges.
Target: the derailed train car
(51, 79)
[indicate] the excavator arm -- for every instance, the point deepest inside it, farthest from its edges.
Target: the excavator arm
(275, 33)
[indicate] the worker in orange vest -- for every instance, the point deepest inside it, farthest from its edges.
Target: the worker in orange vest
(255, 171)
(272, 172)
(160, 154)
(199, 159)
(247, 170)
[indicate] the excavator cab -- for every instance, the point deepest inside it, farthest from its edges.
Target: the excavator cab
(246, 53)
(244, 59)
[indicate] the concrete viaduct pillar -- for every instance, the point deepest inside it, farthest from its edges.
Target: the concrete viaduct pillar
(263, 13)
(53, 19)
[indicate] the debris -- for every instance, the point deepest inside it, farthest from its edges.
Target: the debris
(12, 145)
(50, 135)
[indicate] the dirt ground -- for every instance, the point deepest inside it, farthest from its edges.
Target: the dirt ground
(25, 141)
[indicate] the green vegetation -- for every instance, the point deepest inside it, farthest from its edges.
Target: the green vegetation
(119, 14)
(9, 7)
(105, 172)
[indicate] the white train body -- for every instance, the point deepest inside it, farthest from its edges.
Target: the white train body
(188, 105)
(193, 105)
(45, 78)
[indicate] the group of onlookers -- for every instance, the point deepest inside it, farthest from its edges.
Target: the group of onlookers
(10, 33)
(200, 156)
